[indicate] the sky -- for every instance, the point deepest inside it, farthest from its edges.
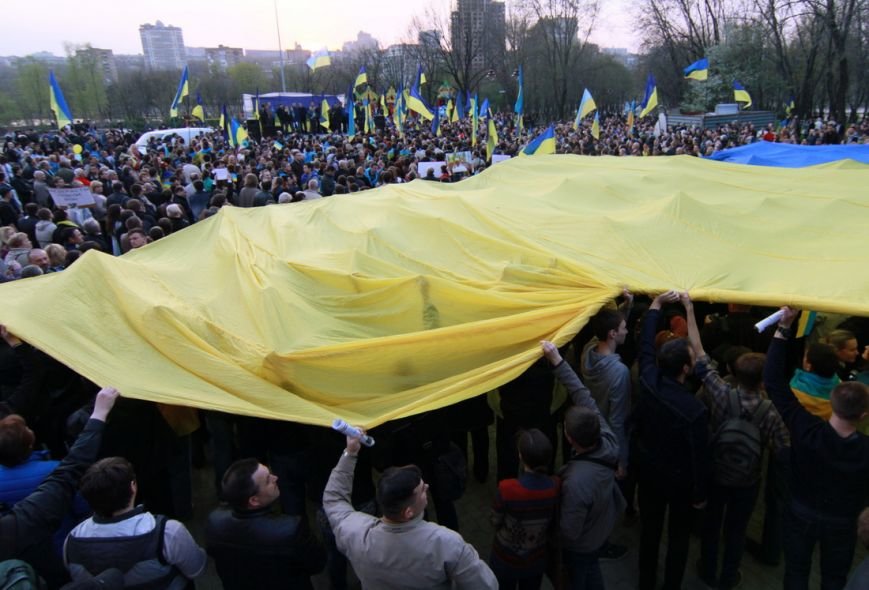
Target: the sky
(109, 24)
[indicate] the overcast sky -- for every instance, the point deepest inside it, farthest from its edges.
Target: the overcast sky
(111, 24)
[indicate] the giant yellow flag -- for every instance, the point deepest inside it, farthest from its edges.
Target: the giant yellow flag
(419, 295)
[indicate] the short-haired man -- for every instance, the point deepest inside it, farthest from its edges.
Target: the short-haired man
(670, 455)
(137, 238)
(607, 377)
(829, 471)
(591, 502)
(399, 550)
(252, 546)
(732, 493)
(153, 551)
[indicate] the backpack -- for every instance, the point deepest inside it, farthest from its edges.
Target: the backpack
(17, 575)
(737, 446)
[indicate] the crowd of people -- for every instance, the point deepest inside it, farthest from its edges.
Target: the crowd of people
(662, 412)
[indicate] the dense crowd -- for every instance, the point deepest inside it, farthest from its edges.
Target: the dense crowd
(662, 411)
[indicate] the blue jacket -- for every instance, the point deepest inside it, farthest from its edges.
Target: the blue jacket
(16, 483)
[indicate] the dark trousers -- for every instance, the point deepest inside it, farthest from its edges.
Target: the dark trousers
(510, 578)
(653, 505)
(731, 507)
(837, 538)
(776, 496)
(583, 571)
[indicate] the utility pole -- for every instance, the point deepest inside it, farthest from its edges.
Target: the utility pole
(280, 48)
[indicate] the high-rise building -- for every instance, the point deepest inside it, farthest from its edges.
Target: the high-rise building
(478, 30)
(163, 46)
(223, 57)
(104, 60)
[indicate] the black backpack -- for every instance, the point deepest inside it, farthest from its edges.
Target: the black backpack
(737, 446)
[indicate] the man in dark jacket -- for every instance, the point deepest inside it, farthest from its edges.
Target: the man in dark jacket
(670, 455)
(829, 478)
(25, 531)
(251, 545)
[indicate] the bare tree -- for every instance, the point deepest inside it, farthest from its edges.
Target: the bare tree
(562, 27)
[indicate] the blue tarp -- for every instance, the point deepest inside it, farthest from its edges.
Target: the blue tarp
(786, 155)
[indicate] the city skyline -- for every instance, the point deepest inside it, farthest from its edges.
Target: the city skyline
(198, 19)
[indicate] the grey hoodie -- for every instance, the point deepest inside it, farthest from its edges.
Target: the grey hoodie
(609, 380)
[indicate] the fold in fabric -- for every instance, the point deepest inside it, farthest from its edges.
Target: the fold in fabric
(395, 301)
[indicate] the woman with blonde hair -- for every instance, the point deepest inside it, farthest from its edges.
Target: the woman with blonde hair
(56, 257)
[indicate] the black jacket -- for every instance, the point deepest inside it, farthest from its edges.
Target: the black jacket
(670, 449)
(257, 549)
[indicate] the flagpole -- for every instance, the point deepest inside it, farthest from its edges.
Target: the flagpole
(280, 48)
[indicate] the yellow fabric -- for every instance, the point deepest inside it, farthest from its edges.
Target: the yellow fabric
(410, 297)
(815, 405)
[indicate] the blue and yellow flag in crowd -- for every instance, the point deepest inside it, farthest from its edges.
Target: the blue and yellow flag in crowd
(740, 94)
(699, 70)
(790, 106)
(198, 111)
(474, 120)
(519, 107)
(586, 105)
(319, 59)
(417, 104)
(806, 323)
(351, 115)
(179, 94)
(324, 114)
(491, 139)
(361, 77)
(237, 134)
(542, 144)
(58, 102)
(650, 100)
(595, 126)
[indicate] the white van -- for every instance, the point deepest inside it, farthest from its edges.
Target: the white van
(186, 133)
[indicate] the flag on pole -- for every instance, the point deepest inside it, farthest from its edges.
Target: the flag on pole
(491, 140)
(474, 121)
(484, 108)
(436, 122)
(542, 144)
(324, 114)
(595, 126)
(224, 123)
(361, 77)
(631, 108)
(586, 105)
(452, 112)
(650, 100)
(460, 106)
(319, 59)
(351, 115)
(740, 94)
(519, 107)
(417, 104)
(179, 94)
(58, 103)
(790, 106)
(237, 134)
(198, 111)
(699, 70)
(420, 76)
